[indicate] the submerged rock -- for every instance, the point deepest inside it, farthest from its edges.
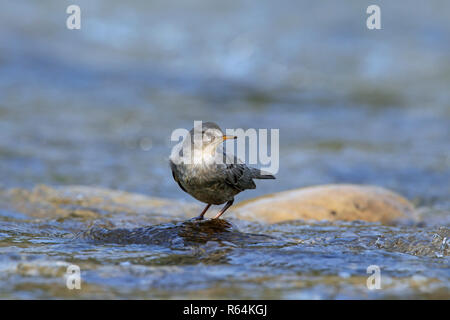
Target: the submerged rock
(327, 202)
(177, 234)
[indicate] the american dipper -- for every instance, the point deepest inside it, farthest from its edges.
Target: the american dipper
(209, 176)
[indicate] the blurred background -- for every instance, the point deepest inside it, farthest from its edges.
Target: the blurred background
(97, 106)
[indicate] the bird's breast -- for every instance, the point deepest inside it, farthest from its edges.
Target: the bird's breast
(206, 183)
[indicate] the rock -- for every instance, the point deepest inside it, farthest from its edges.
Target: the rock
(84, 202)
(327, 202)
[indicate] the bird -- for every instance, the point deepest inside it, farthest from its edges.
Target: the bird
(207, 173)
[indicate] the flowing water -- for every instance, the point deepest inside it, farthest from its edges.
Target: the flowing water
(97, 106)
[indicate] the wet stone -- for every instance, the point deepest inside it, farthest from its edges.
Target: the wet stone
(328, 202)
(169, 234)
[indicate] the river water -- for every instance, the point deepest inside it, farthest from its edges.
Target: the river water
(96, 107)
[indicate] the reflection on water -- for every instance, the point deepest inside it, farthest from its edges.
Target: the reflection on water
(97, 107)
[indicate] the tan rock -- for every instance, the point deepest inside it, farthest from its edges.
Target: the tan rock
(327, 202)
(89, 203)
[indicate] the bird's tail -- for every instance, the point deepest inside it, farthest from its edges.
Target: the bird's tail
(261, 174)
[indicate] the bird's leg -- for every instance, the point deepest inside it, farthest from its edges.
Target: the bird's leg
(227, 205)
(200, 217)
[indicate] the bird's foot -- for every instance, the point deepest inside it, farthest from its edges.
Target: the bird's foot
(200, 217)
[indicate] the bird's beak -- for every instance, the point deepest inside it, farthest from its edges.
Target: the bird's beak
(228, 137)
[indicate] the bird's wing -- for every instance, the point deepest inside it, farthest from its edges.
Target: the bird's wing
(175, 176)
(239, 176)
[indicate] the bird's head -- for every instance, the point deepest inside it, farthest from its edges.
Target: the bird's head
(207, 137)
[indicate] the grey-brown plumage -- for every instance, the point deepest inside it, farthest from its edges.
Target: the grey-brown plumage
(210, 175)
